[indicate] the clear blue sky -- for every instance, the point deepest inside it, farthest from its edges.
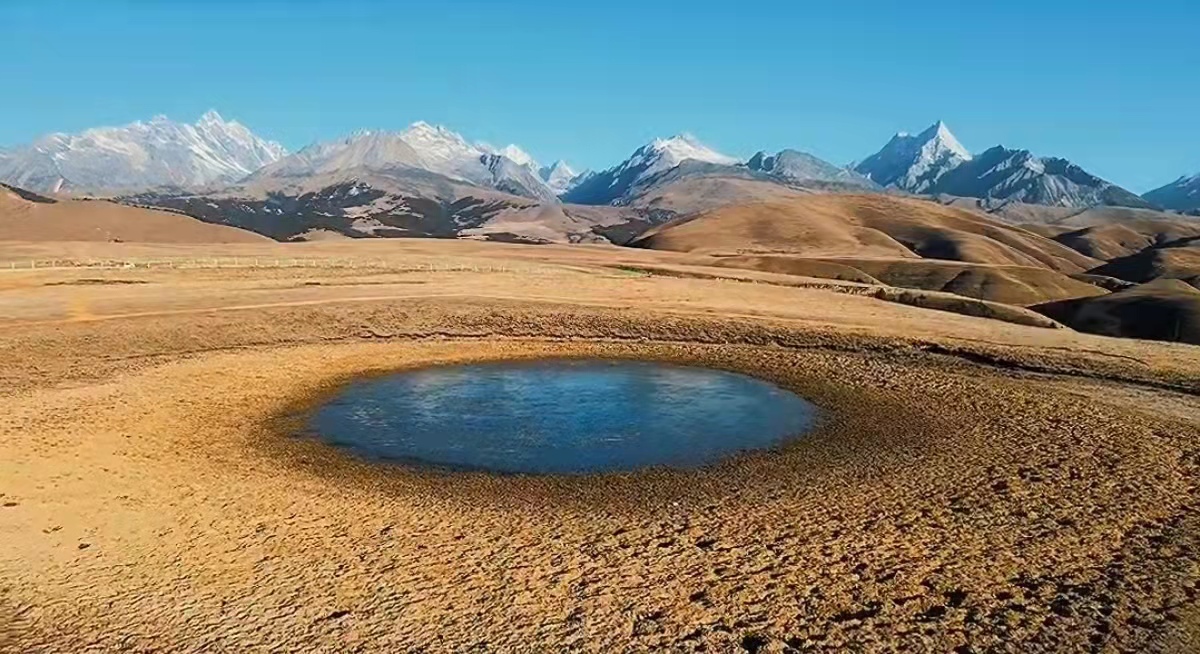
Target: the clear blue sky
(1113, 85)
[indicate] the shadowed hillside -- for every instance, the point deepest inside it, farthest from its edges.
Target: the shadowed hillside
(26, 216)
(1161, 310)
(1176, 260)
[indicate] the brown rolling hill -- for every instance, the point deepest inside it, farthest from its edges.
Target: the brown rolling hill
(1018, 285)
(26, 216)
(1121, 239)
(1176, 260)
(862, 226)
(1162, 310)
(897, 241)
(1015, 285)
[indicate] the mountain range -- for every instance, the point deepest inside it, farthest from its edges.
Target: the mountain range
(154, 154)
(429, 180)
(934, 162)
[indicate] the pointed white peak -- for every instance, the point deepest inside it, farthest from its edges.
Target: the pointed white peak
(559, 168)
(559, 176)
(211, 117)
(682, 147)
(518, 155)
(915, 163)
(939, 133)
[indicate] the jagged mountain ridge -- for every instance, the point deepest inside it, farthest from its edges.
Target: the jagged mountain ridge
(396, 203)
(1018, 176)
(803, 168)
(934, 162)
(421, 147)
(157, 153)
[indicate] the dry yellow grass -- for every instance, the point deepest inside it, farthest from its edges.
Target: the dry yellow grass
(1015, 285)
(99, 220)
(863, 226)
(975, 482)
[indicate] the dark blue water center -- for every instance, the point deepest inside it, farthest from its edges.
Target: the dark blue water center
(561, 416)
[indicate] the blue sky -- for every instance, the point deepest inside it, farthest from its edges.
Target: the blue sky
(1114, 86)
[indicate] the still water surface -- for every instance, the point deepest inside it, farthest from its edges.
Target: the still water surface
(561, 416)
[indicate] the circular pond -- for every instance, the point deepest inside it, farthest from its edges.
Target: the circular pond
(561, 416)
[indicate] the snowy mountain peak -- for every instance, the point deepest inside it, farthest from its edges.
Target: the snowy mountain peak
(420, 147)
(664, 154)
(211, 116)
(915, 163)
(561, 177)
(141, 155)
(940, 135)
(518, 155)
(559, 168)
(444, 151)
(682, 147)
(659, 156)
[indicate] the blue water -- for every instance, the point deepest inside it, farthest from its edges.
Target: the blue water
(561, 416)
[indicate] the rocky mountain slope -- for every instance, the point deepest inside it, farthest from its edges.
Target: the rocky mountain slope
(396, 202)
(422, 148)
(1006, 175)
(1182, 194)
(803, 168)
(141, 155)
(617, 184)
(561, 177)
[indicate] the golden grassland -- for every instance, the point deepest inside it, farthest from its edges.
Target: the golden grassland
(974, 485)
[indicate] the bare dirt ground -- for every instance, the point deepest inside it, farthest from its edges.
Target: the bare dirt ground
(976, 485)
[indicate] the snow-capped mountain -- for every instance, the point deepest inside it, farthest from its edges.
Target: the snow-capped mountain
(1003, 174)
(445, 152)
(516, 178)
(363, 149)
(802, 168)
(141, 155)
(421, 147)
(934, 162)
(915, 163)
(561, 177)
(656, 157)
(1182, 194)
(519, 156)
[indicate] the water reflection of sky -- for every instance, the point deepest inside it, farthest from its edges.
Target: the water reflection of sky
(562, 416)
